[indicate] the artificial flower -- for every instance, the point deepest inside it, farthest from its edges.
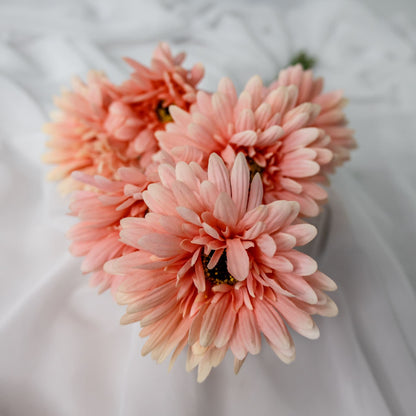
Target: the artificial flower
(79, 140)
(331, 117)
(101, 127)
(100, 210)
(145, 99)
(214, 267)
(271, 130)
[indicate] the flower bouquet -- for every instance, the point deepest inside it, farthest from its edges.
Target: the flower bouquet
(191, 203)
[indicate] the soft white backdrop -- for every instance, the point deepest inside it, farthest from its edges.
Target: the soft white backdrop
(62, 351)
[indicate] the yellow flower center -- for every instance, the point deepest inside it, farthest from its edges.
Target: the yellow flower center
(163, 113)
(219, 274)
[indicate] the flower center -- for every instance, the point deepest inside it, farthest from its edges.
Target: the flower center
(254, 167)
(219, 274)
(163, 113)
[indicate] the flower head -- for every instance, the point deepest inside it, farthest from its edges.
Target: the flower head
(101, 127)
(214, 268)
(79, 139)
(143, 107)
(100, 210)
(331, 118)
(268, 127)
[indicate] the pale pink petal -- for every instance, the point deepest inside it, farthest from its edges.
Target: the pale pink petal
(299, 288)
(271, 324)
(266, 244)
(132, 262)
(185, 174)
(303, 264)
(308, 206)
(254, 231)
(257, 214)
(161, 245)
(298, 319)
(218, 174)
(245, 121)
(240, 182)
(299, 168)
(249, 331)
(278, 263)
(199, 276)
(314, 190)
(204, 368)
(187, 153)
(226, 328)
(244, 102)
(209, 194)
(215, 258)
(159, 199)
(280, 213)
(284, 242)
(256, 193)
(185, 197)
(211, 231)
(211, 322)
(166, 174)
(263, 115)
(304, 233)
(255, 88)
(270, 136)
(287, 356)
(238, 261)
(223, 111)
(226, 87)
(189, 215)
(300, 138)
(225, 209)
(182, 117)
(321, 281)
(244, 138)
(101, 252)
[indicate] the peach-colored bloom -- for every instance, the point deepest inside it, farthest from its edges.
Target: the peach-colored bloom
(146, 96)
(214, 268)
(79, 140)
(267, 127)
(100, 210)
(331, 117)
(101, 127)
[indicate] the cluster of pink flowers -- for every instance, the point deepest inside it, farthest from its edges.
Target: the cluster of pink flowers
(191, 203)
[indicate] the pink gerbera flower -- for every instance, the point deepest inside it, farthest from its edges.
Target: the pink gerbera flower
(79, 140)
(331, 117)
(100, 210)
(146, 96)
(269, 128)
(214, 268)
(101, 127)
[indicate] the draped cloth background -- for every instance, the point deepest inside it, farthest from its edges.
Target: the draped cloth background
(62, 350)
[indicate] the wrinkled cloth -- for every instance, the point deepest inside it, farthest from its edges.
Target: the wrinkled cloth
(62, 350)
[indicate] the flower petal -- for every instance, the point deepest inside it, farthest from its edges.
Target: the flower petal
(256, 192)
(218, 174)
(225, 209)
(240, 183)
(238, 261)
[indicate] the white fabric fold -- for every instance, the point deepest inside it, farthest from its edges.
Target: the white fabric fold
(62, 350)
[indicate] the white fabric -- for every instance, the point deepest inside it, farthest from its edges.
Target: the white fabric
(62, 350)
